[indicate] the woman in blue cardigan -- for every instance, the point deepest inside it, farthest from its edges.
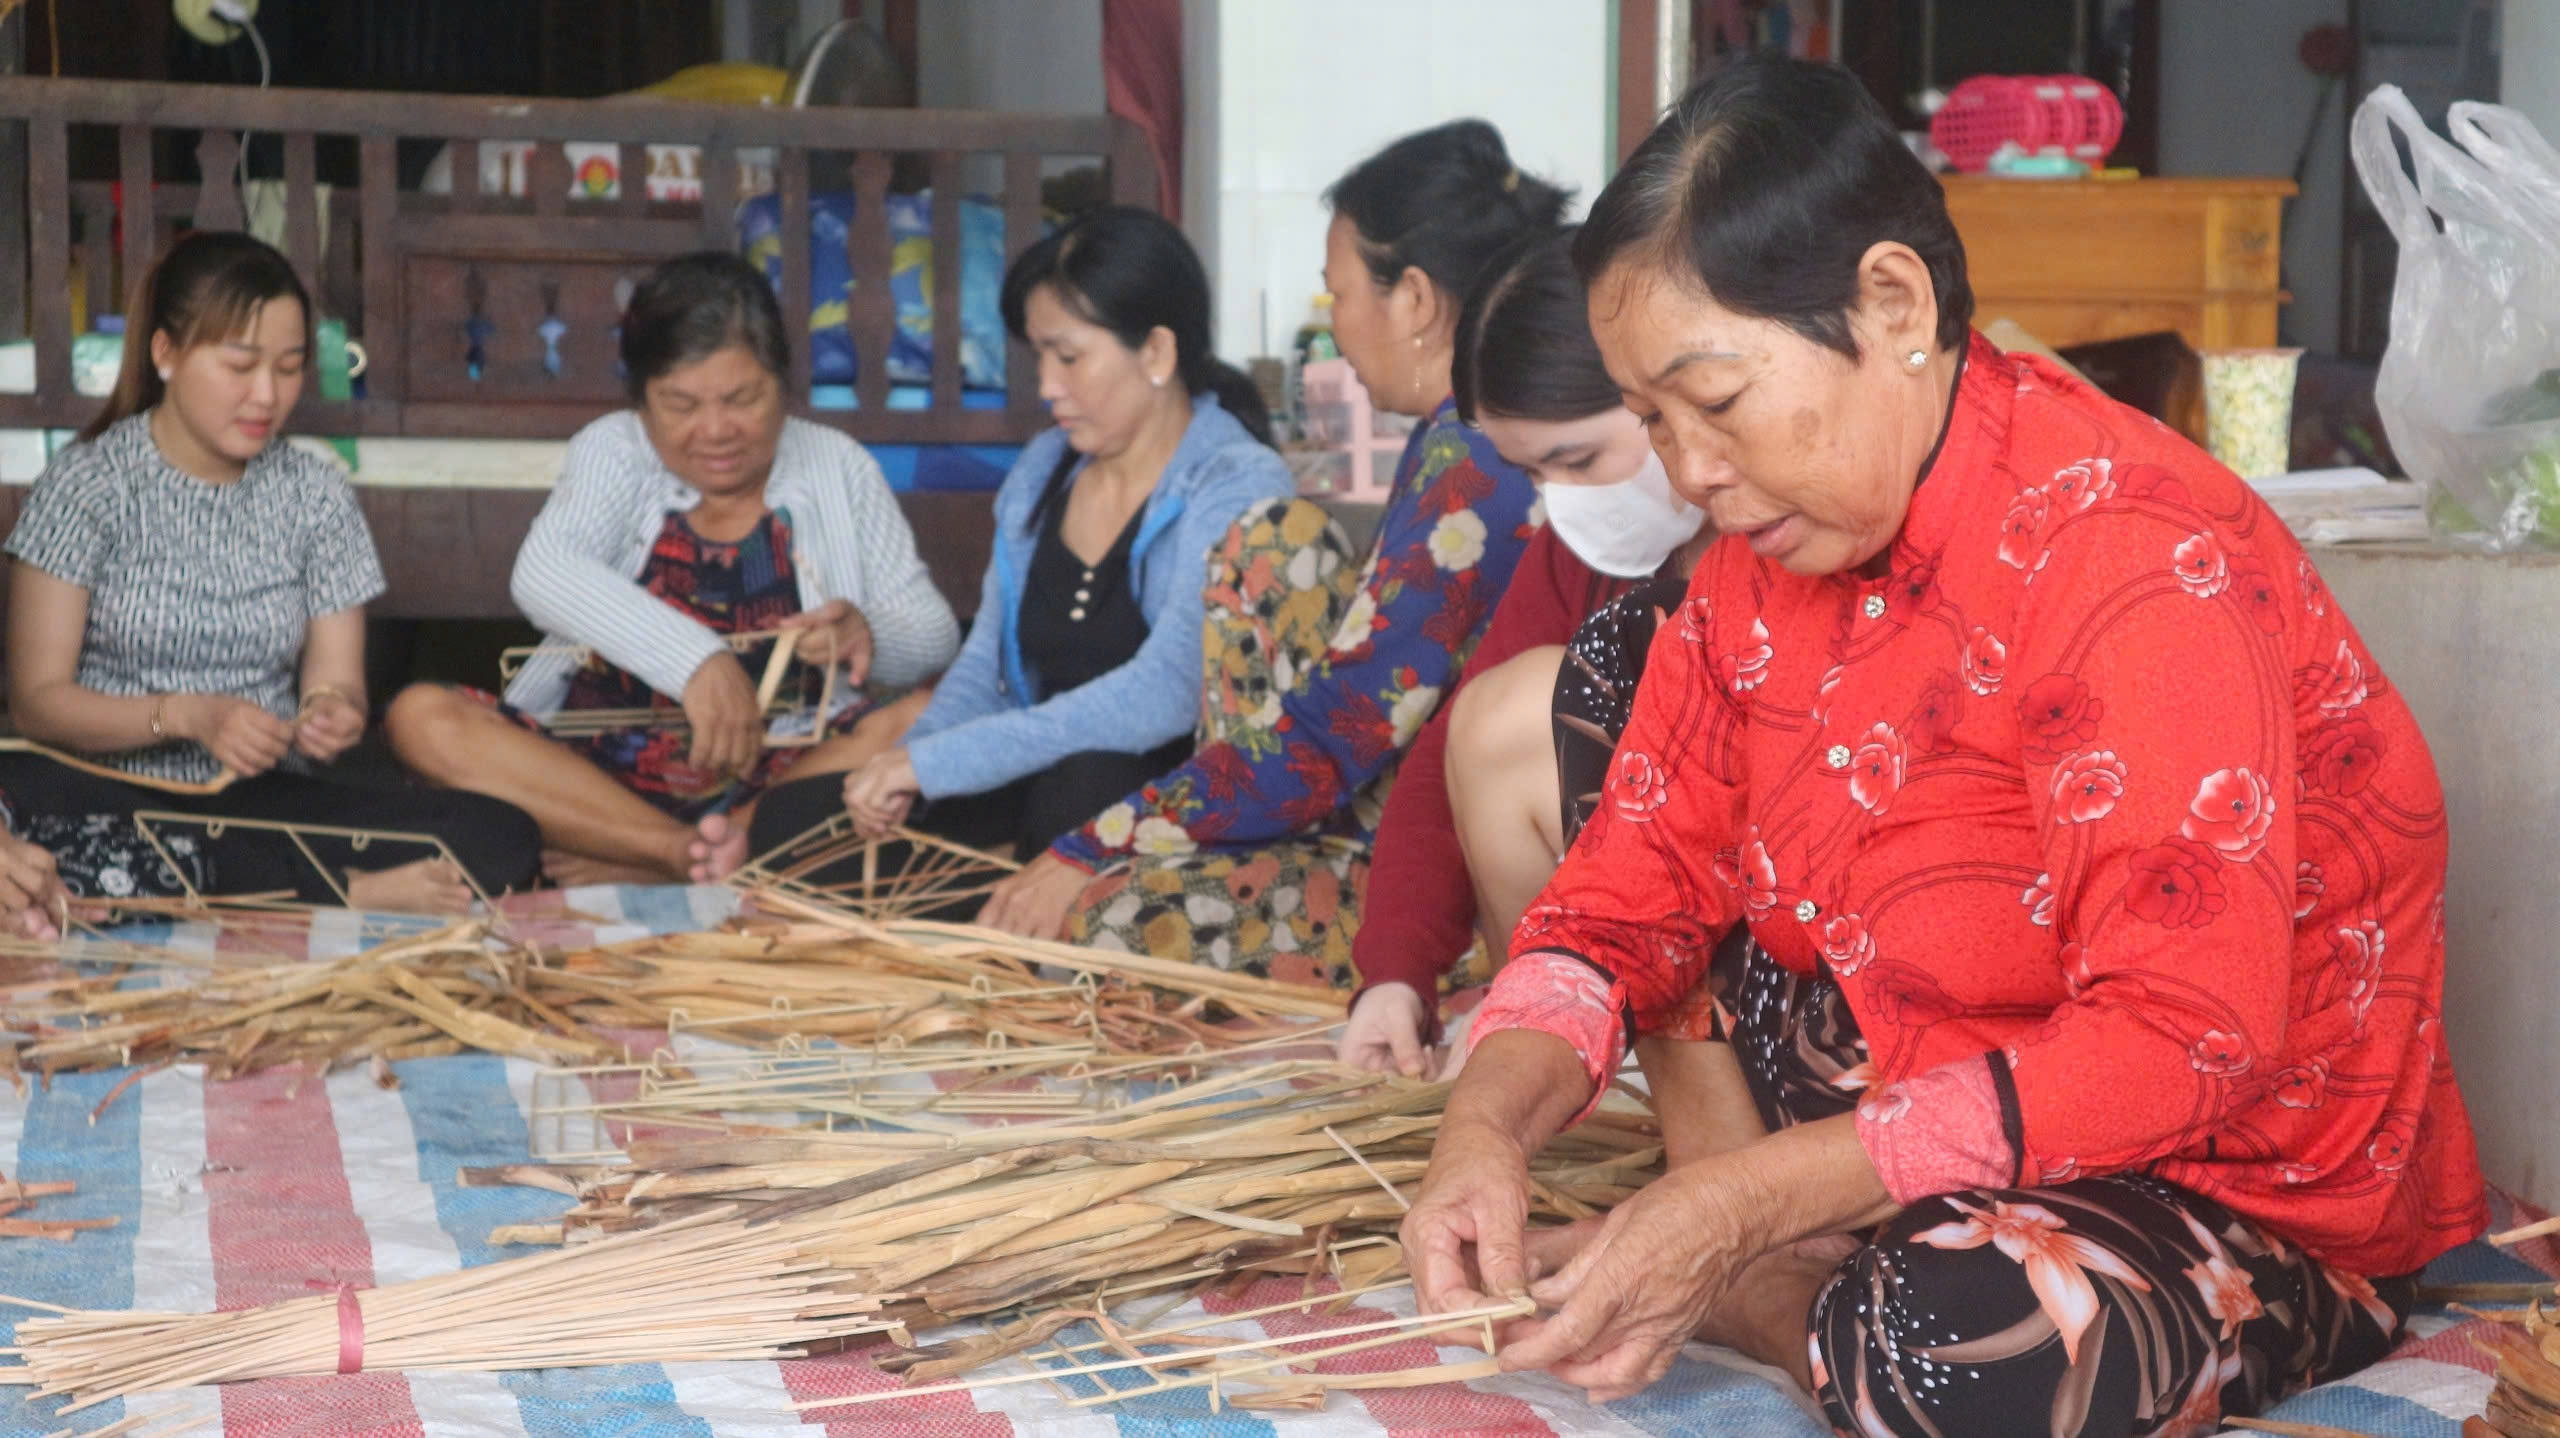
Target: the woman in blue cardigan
(1081, 678)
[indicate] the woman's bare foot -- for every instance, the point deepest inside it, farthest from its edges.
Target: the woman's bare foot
(1766, 1313)
(574, 871)
(426, 886)
(718, 848)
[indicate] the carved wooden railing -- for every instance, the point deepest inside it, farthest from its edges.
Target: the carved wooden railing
(421, 278)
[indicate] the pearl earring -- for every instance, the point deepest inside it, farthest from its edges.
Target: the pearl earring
(1157, 380)
(164, 376)
(1917, 359)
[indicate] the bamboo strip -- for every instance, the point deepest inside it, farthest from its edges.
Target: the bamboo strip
(1396, 1329)
(2514, 1236)
(2288, 1430)
(214, 785)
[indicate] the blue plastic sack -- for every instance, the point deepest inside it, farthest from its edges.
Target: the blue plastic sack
(911, 277)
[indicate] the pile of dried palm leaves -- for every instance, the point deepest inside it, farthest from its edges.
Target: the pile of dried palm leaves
(416, 998)
(814, 975)
(829, 1167)
(2525, 1399)
(1276, 1168)
(2525, 1344)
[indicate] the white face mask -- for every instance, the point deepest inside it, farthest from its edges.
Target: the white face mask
(1625, 529)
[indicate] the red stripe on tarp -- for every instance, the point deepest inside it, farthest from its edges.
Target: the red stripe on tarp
(2452, 1346)
(2507, 1211)
(841, 1375)
(1440, 1409)
(280, 1219)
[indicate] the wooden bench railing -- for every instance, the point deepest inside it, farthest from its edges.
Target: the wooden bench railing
(412, 274)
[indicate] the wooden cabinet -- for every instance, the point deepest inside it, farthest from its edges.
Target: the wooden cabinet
(2076, 261)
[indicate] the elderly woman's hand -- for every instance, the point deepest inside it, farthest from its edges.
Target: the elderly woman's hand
(1665, 1260)
(1641, 1286)
(720, 707)
(834, 633)
(1462, 1239)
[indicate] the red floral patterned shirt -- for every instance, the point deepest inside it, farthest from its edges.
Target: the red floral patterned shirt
(2123, 850)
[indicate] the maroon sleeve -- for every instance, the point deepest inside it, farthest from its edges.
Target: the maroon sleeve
(1418, 910)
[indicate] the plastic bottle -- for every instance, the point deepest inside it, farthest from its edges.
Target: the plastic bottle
(1315, 337)
(1314, 342)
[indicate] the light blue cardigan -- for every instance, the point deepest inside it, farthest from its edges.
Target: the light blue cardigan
(982, 730)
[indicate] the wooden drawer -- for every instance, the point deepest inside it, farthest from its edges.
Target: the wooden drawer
(2077, 261)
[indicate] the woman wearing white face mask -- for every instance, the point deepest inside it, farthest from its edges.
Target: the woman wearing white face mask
(1501, 780)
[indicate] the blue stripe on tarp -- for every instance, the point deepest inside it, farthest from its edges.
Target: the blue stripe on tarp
(463, 1115)
(659, 908)
(2480, 1263)
(95, 1269)
(1697, 1399)
(2361, 1410)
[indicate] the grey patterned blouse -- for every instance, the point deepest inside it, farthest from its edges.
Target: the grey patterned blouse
(196, 588)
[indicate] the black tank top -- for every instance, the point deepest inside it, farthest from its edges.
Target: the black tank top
(1079, 622)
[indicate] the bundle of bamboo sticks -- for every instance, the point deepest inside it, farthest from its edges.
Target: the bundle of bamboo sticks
(700, 1289)
(1288, 1168)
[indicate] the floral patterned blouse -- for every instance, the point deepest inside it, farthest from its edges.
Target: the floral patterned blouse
(2124, 852)
(1455, 524)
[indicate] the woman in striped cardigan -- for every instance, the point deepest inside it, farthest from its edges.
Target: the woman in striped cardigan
(701, 513)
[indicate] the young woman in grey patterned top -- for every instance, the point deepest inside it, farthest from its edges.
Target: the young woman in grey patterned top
(188, 604)
(704, 511)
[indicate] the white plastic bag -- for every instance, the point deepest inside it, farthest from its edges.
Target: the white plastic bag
(2470, 383)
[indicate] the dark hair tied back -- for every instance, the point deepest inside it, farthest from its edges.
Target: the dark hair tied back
(1766, 185)
(206, 289)
(694, 306)
(1445, 201)
(1132, 272)
(1524, 346)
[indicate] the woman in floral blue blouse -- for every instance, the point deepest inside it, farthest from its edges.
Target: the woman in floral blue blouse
(1320, 671)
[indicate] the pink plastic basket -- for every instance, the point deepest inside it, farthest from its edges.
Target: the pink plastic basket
(2041, 114)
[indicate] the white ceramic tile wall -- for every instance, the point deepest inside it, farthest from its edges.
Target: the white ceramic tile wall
(1012, 55)
(2529, 64)
(1305, 88)
(2234, 100)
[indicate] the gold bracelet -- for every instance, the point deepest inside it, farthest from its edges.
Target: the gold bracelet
(159, 711)
(318, 692)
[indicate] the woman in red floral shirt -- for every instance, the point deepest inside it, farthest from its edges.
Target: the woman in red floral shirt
(2094, 872)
